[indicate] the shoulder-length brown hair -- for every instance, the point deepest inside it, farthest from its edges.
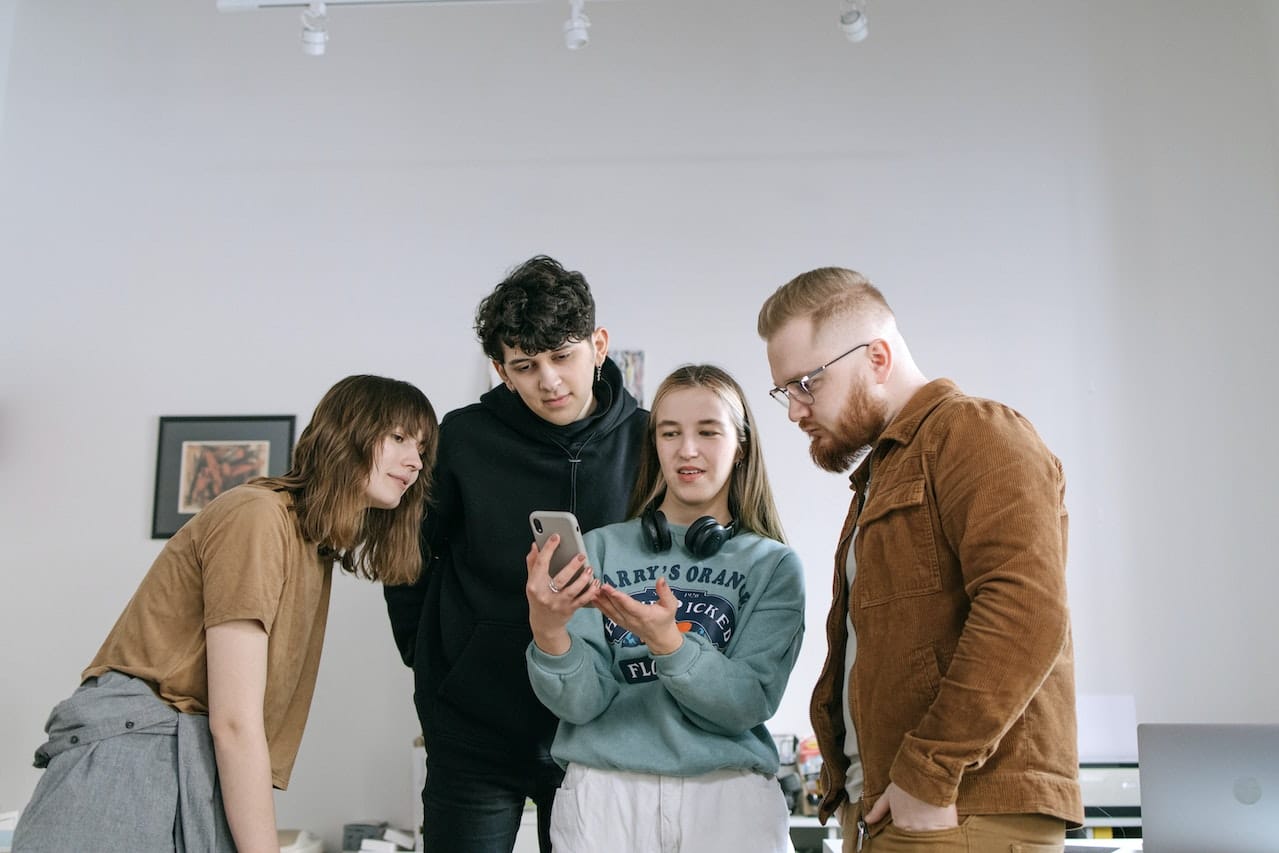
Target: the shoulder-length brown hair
(330, 475)
(750, 498)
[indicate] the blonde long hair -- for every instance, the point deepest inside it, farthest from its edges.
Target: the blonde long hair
(750, 498)
(331, 467)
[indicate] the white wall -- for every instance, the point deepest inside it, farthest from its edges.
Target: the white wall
(8, 11)
(1072, 210)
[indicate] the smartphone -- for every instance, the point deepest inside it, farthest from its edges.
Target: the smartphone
(547, 521)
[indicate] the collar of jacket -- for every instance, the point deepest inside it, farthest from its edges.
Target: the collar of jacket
(902, 429)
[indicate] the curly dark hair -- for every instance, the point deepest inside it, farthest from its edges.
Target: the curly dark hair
(539, 306)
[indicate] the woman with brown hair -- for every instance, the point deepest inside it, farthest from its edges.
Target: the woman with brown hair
(217, 651)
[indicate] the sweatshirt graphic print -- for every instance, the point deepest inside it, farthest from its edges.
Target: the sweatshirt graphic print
(709, 601)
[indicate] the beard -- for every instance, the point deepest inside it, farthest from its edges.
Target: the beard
(861, 421)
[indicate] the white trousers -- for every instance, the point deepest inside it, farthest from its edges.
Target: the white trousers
(727, 811)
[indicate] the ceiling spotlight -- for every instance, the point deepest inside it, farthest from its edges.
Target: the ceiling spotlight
(575, 28)
(314, 34)
(852, 19)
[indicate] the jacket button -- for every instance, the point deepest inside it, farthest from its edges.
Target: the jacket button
(129, 724)
(75, 739)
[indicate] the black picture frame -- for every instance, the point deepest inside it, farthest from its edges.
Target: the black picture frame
(199, 457)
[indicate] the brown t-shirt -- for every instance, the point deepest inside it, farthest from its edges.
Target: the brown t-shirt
(241, 557)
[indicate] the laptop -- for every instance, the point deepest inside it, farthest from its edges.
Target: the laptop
(1208, 787)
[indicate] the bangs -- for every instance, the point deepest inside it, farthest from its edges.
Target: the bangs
(408, 409)
(418, 423)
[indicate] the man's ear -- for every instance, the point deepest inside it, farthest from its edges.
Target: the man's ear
(501, 372)
(880, 353)
(599, 341)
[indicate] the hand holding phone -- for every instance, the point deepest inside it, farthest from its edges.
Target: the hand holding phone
(550, 612)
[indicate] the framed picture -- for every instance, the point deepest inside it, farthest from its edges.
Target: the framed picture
(199, 458)
(631, 362)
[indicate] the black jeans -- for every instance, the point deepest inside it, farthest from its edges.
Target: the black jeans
(471, 808)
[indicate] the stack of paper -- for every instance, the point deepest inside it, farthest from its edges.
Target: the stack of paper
(392, 841)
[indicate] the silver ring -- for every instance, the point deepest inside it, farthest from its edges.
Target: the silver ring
(550, 582)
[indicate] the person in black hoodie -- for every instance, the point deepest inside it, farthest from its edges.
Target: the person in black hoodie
(560, 432)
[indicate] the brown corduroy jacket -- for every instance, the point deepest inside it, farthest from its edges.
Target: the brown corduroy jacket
(962, 689)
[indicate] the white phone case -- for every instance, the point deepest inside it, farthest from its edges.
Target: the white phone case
(547, 521)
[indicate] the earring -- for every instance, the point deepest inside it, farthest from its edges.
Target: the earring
(599, 370)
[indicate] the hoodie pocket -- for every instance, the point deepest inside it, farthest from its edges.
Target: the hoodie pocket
(489, 681)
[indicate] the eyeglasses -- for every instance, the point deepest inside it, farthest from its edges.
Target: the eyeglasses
(801, 389)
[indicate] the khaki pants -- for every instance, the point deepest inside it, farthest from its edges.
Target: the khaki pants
(1017, 833)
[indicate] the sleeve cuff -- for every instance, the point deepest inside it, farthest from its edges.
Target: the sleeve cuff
(680, 661)
(555, 664)
(920, 783)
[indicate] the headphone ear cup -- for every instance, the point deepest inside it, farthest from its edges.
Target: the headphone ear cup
(657, 534)
(706, 536)
(663, 538)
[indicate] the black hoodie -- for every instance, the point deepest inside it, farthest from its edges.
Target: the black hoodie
(464, 626)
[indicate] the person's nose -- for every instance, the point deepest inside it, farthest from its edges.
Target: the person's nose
(548, 378)
(796, 409)
(414, 461)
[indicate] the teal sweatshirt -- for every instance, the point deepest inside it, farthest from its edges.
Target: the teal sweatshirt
(702, 707)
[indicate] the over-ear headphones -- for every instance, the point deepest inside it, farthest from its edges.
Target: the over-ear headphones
(703, 539)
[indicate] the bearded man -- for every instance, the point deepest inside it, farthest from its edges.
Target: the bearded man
(945, 711)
